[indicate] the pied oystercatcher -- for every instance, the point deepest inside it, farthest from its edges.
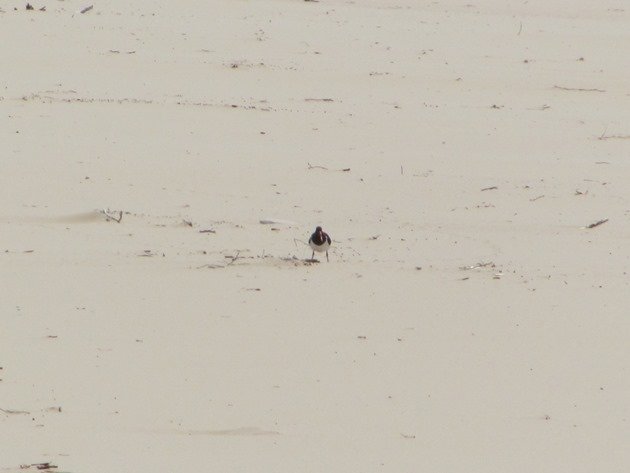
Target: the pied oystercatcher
(319, 241)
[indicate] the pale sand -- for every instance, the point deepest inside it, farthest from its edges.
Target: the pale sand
(178, 362)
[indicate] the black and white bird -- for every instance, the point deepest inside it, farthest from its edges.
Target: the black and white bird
(320, 242)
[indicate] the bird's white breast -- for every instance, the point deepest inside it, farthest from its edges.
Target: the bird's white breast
(321, 248)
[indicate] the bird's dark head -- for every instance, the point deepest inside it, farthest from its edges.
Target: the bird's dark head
(318, 230)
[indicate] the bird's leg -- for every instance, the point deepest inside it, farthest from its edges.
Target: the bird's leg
(313, 255)
(327, 260)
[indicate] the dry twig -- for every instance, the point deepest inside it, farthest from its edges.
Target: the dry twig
(12, 411)
(576, 89)
(310, 166)
(234, 258)
(39, 466)
(603, 137)
(598, 223)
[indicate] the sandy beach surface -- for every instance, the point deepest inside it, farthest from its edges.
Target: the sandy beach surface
(469, 320)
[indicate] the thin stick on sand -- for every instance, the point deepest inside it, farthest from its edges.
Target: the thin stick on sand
(234, 258)
(310, 166)
(604, 136)
(598, 223)
(577, 89)
(11, 411)
(295, 242)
